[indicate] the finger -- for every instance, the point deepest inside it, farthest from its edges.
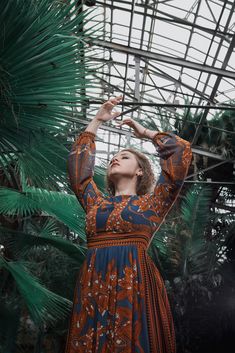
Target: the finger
(127, 120)
(116, 100)
(124, 122)
(118, 97)
(115, 114)
(108, 104)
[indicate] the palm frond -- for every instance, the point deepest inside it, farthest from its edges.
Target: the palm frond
(182, 247)
(63, 206)
(160, 240)
(41, 63)
(44, 160)
(20, 242)
(197, 252)
(43, 305)
(195, 209)
(43, 73)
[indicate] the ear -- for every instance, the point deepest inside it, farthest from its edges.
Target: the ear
(139, 172)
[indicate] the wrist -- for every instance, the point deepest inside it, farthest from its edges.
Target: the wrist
(97, 120)
(93, 126)
(149, 133)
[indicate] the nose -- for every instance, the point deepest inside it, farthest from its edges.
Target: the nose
(114, 160)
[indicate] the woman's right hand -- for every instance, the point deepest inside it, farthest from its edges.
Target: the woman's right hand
(105, 112)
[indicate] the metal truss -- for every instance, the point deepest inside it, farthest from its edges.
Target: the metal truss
(167, 59)
(164, 58)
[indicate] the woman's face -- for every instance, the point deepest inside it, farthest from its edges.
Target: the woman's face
(124, 163)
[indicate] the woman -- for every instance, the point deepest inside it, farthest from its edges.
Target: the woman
(120, 302)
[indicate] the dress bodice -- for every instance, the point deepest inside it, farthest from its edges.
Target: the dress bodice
(122, 214)
(128, 213)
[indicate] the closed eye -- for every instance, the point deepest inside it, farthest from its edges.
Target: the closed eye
(126, 157)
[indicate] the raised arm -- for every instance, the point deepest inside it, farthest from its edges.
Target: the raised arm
(175, 157)
(81, 159)
(81, 163)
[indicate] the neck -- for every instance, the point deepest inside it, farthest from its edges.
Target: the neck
(125, 187)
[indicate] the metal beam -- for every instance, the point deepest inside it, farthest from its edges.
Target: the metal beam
(232, 160)
(215, 88)
(209, 154)
(162, 74)
(172, 18)
(162, 58)
(169, 105)
(216, 55)
(159, 74)
(195, 149)
(207, 55)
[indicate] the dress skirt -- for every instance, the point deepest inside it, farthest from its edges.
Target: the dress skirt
(120, 301)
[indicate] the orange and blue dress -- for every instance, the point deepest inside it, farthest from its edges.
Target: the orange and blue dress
(120, 301)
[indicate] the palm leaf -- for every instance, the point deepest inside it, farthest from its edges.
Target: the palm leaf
(196, 213)
(60, 205)
(195, 209)
(181, 246)
(44, 160)
(21, 242)
(43, 305)
(160, 240)
(43, 73)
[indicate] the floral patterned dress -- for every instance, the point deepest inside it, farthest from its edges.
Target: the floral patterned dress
(120, 302)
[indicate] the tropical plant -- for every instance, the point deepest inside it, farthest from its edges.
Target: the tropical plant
(44, 67)
(44, 87)
(216, 136)
(191, 249)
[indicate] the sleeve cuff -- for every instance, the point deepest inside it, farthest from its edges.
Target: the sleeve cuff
(88, 133)
(162, 136)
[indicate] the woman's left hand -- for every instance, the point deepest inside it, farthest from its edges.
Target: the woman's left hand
(139, 130)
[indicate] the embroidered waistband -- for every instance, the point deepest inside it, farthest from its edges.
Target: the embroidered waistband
(112, 239)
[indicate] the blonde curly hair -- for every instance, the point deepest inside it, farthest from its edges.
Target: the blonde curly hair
(144, 183)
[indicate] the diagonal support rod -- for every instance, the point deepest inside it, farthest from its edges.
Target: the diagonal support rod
(162, 58)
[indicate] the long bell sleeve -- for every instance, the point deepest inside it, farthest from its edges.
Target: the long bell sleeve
(175, 157)
(81, 162)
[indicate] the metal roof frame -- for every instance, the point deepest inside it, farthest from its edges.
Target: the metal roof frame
(156, 74)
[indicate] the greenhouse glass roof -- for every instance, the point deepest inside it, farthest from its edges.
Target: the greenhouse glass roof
(165, 57)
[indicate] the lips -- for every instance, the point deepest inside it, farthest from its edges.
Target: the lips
(115, 164)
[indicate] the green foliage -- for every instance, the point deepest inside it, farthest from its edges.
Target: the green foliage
(217, 131)
(58, 204)
(21, 242)
(44, 70)
(43, 305)
(195, 210)
(192, 249)
(99, 178)
(181, 243)
(43, 77)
